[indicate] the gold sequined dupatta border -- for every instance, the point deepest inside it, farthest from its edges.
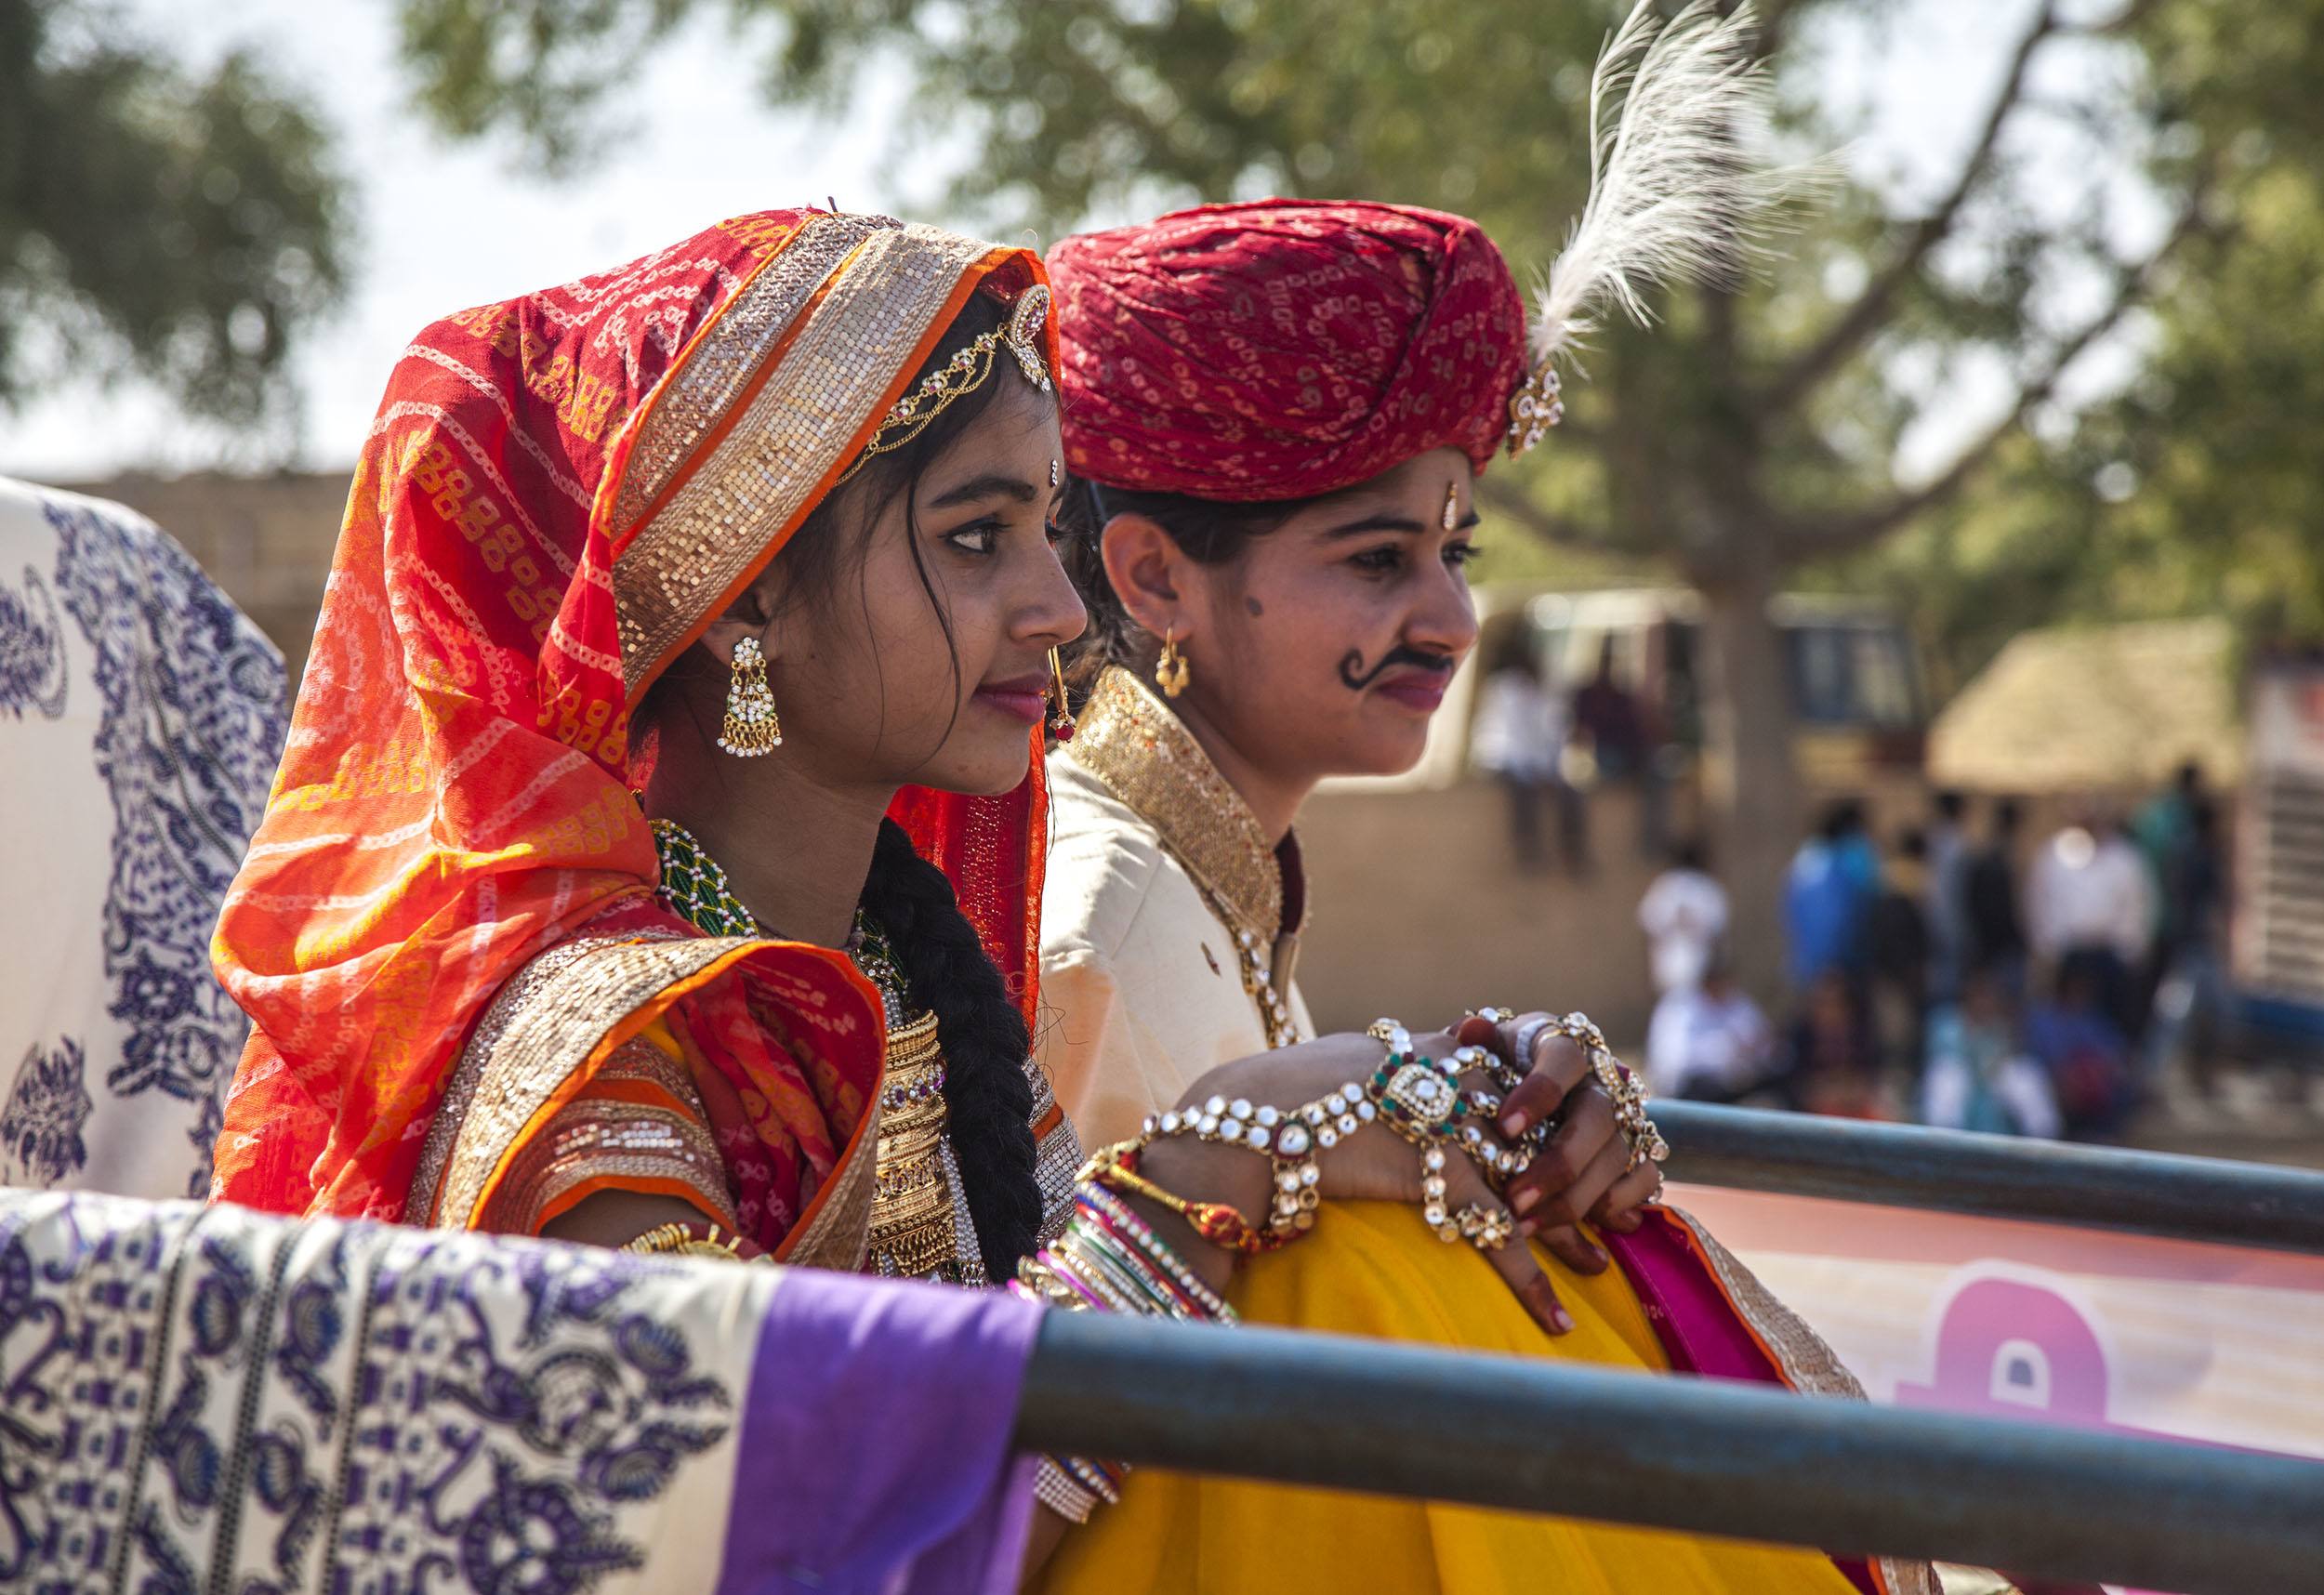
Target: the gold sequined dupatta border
(839, 322)
(1807, 1364)
(546, 1034)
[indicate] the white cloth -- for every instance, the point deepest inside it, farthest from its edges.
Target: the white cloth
(1521, 728)
(1683, 915)
(1140, 991)
(2089, 891)
(1696, 1039)
(141, 719)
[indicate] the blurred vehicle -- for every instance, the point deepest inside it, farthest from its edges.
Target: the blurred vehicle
(1858, 704)
(1859, 698)
(2277, 932)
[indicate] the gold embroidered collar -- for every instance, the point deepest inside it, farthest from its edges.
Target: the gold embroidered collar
(1147, 758)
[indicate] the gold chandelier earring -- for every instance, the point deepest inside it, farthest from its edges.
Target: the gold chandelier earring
(1170, 671)
(751, 727)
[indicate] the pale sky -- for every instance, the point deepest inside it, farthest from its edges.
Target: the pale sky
(446, 226)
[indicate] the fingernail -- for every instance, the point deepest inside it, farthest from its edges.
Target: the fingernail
(1526, 1200)
(1561, 1320)
(1514, 1123)
(1528, 1228)
(1599, 1253)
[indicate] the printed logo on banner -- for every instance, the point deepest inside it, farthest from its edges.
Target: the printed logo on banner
(2008, 1341)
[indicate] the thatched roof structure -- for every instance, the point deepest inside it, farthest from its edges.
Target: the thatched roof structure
(2112, 706)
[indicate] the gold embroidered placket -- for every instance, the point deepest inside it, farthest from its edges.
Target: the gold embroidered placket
(549, 1031)
(1148, 759)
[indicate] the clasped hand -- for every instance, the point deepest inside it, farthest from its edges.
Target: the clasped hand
(1582, 1171)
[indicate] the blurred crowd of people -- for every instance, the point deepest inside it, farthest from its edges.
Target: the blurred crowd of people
(1945, 975)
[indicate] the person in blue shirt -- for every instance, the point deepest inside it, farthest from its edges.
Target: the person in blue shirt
(1828, 895)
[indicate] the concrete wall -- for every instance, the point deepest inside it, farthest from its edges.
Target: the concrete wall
(1420, 912)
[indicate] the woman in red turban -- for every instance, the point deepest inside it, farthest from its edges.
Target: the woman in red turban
(1277, 412)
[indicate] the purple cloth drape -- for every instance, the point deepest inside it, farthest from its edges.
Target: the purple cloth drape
(874, 1452)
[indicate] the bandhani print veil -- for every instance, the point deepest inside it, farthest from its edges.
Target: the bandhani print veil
(559, 492)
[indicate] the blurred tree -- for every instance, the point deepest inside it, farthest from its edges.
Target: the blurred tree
(2195, 489)
(185, 228)
(1755, 433)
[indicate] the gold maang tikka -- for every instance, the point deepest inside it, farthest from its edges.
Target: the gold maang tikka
(964, 373)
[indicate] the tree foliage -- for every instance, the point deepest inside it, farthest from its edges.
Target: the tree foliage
(185, 226)
(2194, 490)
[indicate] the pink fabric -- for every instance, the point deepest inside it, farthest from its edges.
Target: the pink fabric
(1700, 1331)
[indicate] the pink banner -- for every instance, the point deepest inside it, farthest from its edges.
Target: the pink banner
(2221, 1345)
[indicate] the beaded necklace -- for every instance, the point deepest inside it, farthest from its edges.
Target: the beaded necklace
(694, 888)
(915, 1231)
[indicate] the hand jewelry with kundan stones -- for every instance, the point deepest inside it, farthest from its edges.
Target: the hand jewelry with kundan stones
(1424, 1102)
(1290, 1139)
(1626, 1090)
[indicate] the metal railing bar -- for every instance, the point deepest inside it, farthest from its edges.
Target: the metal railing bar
(2156, 1193)
(1702, 1456)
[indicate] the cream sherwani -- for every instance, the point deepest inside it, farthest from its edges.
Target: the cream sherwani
(1157, 870)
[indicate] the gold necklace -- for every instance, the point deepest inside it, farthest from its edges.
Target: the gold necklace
(1257, 965)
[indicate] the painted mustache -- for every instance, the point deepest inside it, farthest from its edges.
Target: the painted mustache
(1353, 677)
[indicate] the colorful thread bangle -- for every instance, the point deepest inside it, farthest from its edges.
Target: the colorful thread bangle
(1124, 1220)
(1116, 1169)
(1055, 1488)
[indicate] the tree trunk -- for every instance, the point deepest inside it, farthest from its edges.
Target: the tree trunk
(1752, 782)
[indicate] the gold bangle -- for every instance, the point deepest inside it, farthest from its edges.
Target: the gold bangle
(687, 1240)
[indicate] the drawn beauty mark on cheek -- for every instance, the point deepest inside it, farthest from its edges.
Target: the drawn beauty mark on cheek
(1253, 605)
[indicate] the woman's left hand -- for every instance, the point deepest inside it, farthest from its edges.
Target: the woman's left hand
(1583, 1172)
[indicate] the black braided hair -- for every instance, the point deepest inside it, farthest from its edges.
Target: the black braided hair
(986, 1094)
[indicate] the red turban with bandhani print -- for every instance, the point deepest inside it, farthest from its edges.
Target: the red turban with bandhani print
(1284, 348)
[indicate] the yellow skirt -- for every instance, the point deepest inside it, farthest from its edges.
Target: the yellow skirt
(1374, 1269)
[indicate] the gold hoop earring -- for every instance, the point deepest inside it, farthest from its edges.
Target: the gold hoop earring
(751, 727)
(1172, 671)
(1061, 720)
